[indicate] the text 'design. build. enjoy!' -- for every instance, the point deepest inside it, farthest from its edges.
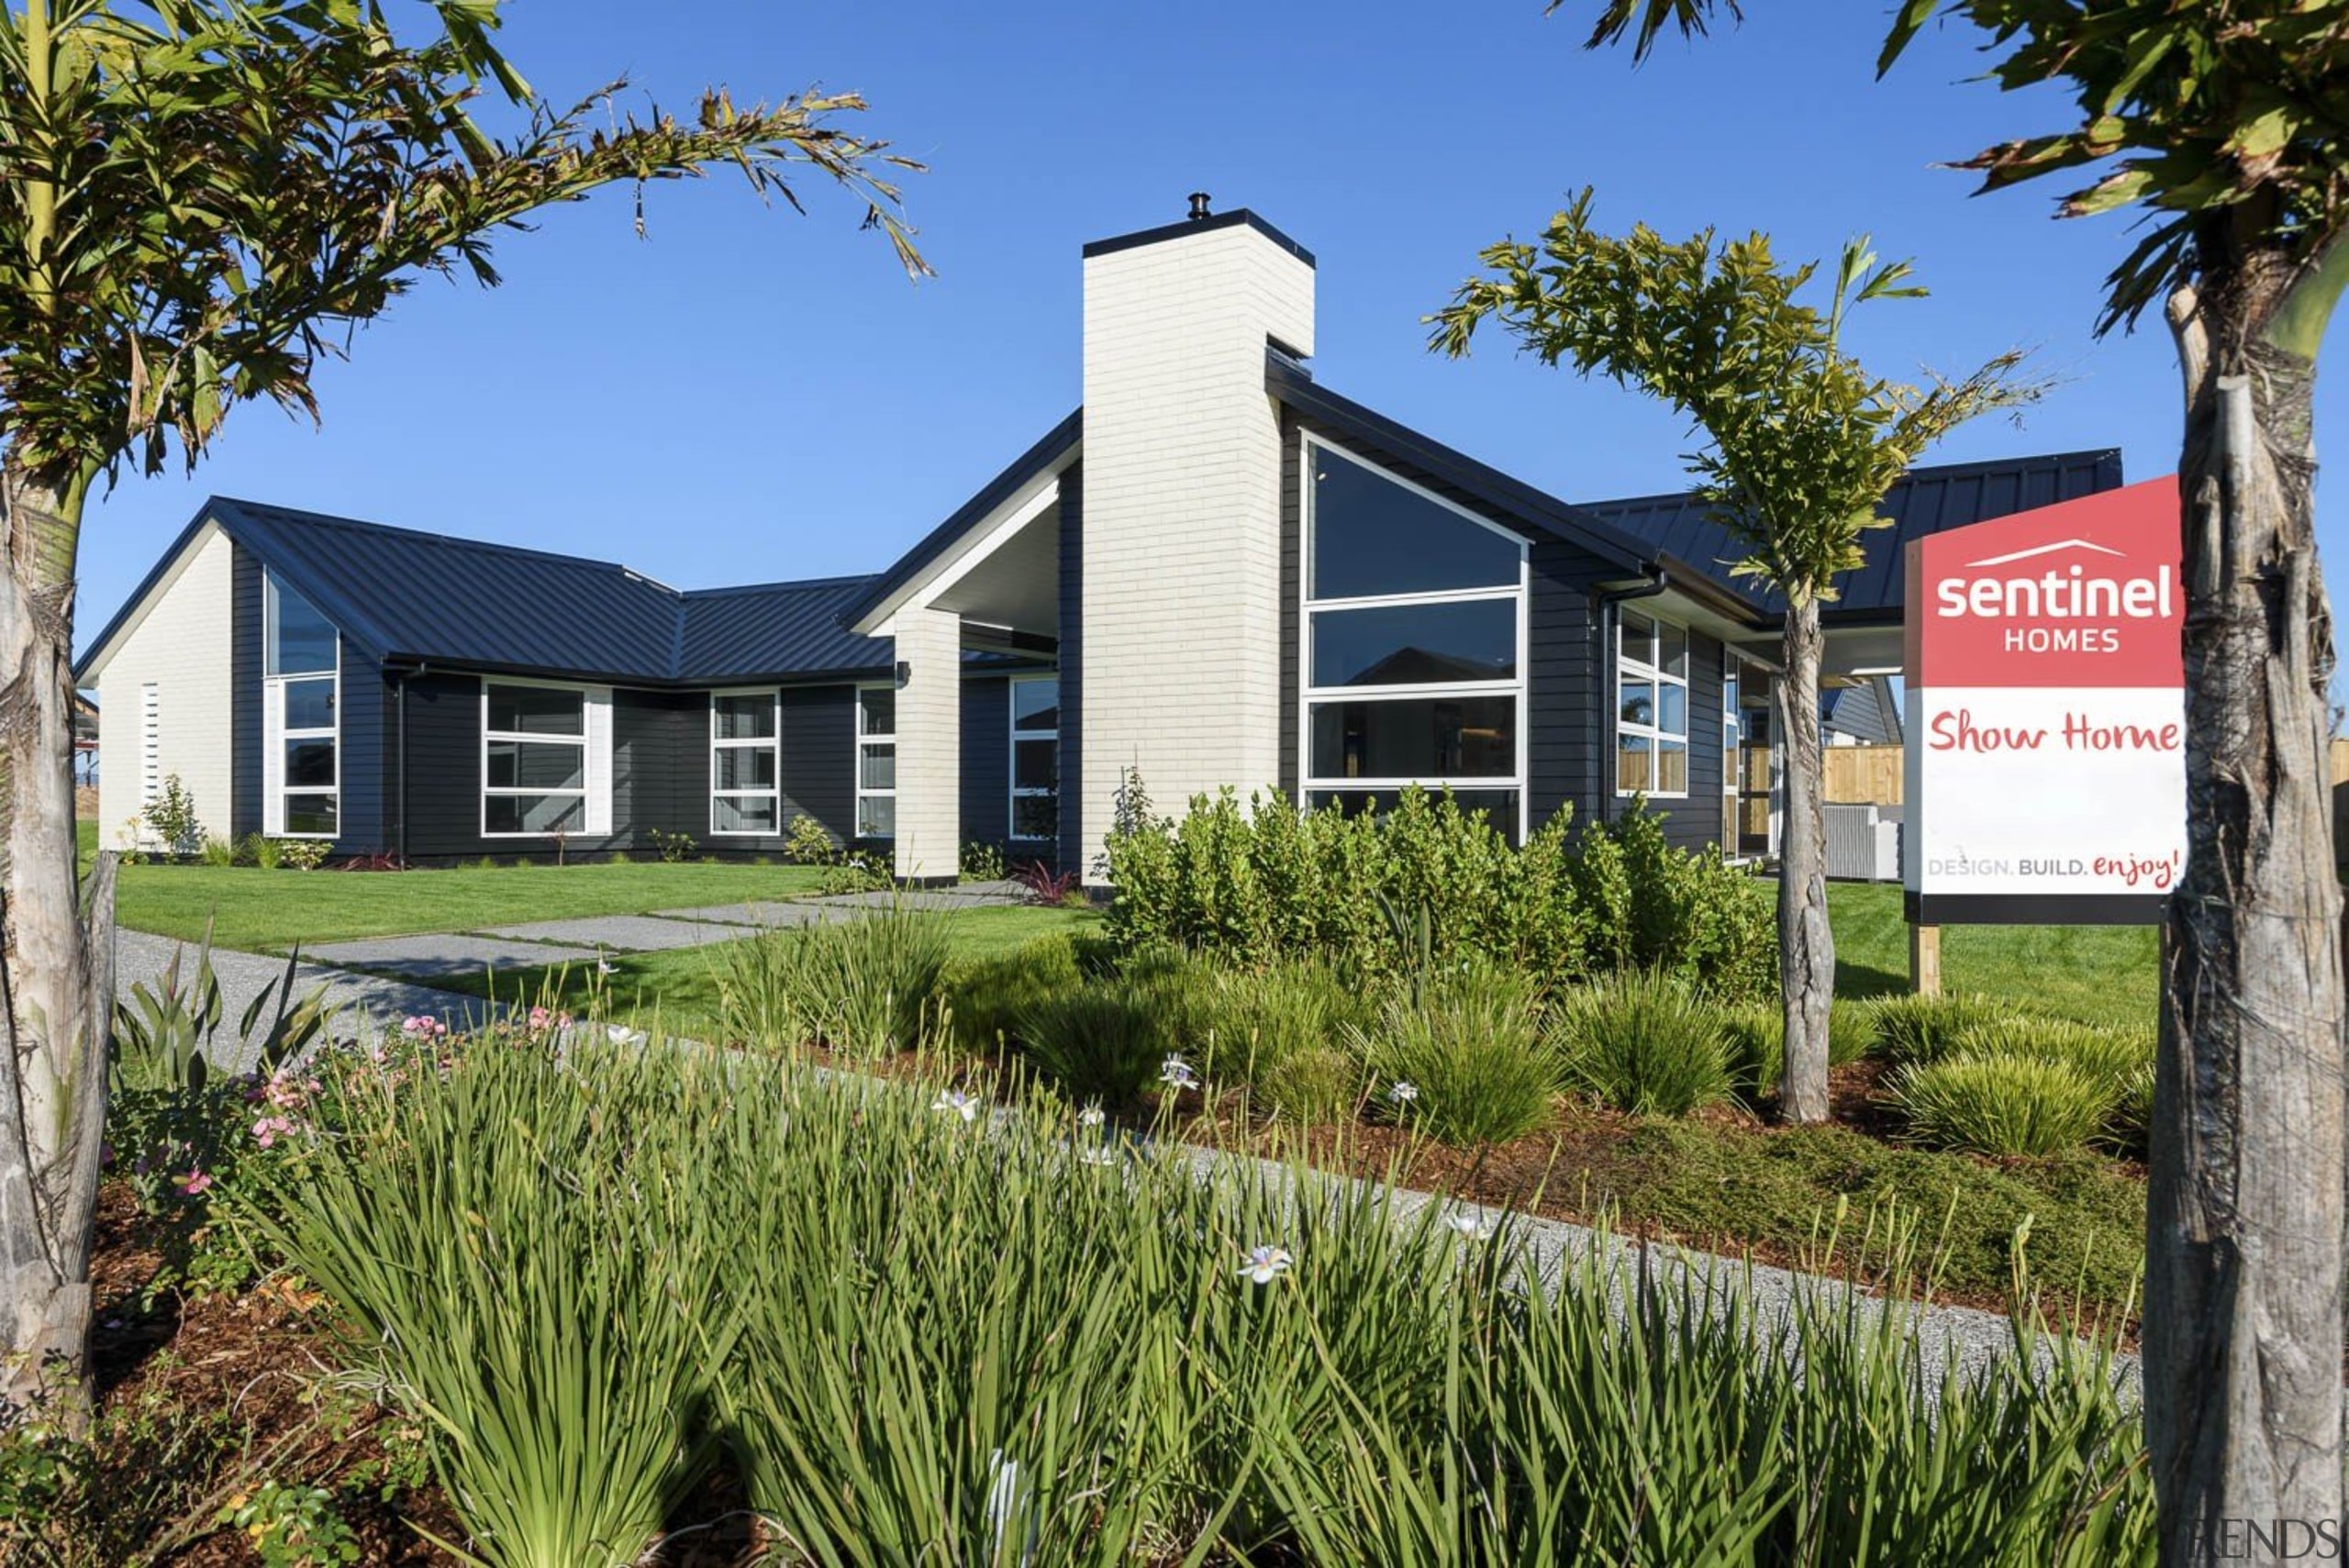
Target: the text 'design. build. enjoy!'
(2046, 715)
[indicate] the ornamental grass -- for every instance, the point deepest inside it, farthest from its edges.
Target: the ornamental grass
(919, 1330)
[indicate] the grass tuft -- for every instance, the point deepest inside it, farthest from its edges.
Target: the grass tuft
(1643, 1044)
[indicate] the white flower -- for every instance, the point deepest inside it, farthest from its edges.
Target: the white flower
(1472, 1224)
(1099, 1155)
(1402, 1091)
(1178, 1074)
(1262, 1265)
(1092, 1116)
(620, 1034)
(954, 1102)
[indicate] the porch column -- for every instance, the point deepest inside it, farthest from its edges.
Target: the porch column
(930, 744)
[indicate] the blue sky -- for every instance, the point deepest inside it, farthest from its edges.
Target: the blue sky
(750, 396)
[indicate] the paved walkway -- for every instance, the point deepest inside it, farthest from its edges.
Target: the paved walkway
(444, 956)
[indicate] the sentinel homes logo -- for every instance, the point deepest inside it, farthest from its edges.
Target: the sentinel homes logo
(2055, 606)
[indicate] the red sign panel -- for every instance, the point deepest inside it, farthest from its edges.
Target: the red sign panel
(2046, 763)
(2082, 594)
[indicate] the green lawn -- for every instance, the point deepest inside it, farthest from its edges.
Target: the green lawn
(2098, 975)
(680, 987)
(268, 911)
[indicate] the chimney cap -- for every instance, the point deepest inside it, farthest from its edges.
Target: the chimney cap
(1199, 213)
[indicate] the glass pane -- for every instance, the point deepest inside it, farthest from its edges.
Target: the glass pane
(1427, 737)
(1373, 536)
(1672, 768)
(876, 766)
(1499, 805)
(1673, 709)
(1632, 764)
(537, 710)
(1035, 705)
(1403, 645)
(1035, 764)
(1672, 659)
(749, 717)
(876, 817)
(745, 767)
(876, 709)
(535, 813)
(1637, 703)
(521, 765)
(309, 705)
(310, 814)
(1035, 817)
(744, 814)
(300, 641)
(1638, 638)
(309, 764)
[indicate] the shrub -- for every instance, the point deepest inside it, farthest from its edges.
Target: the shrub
(172, 817)
(1048, 887)
(989, 996)
(216, 851)
(1644, 1045)
(808, 843)
(2129, 1127)
(1105, 1043)
(866, 987)
(2108, 1056)
(1918, 1029)
(263, 852)
(300, 855)
(675, 849)
(1464, 1062)
(982, 862)
(2002, 1104)
(1280, 1030)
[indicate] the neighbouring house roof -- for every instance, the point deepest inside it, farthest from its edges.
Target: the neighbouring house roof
(1864, 712)
(403, 597)
(1927, 501)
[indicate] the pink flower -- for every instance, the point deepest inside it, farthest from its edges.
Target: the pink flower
(422, 1027)
(270, 1128)
(196, 1185)
(540, 1019)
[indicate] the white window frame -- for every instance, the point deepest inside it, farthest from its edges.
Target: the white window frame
(1011, 818)
(274, 734)
(1650, 669)
(863, 740)
(1310, 694)
(595, 741)
(773, 742)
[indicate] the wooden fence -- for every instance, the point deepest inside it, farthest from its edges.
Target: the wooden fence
(1863, 775)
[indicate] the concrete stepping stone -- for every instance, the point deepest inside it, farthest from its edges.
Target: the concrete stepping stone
(443, 957)
(624, 933)
(753, 916)
(971, 895)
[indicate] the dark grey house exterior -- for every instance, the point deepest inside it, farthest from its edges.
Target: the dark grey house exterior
(1218, 572)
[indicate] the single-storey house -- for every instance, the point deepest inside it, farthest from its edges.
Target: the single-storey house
(1218, 570)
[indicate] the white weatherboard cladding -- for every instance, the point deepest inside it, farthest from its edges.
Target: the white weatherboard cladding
(182, 646)
(1182, 538)
(930, 743)
(2021, 806)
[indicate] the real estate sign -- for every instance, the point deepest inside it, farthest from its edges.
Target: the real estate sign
(2045, 707)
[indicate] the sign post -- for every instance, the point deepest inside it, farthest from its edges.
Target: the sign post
(2046, 714)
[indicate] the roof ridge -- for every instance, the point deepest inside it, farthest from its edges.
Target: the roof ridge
(791, 584)
(1919, 471)
(425, 536)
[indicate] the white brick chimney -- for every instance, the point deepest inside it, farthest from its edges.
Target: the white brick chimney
(1180, 650)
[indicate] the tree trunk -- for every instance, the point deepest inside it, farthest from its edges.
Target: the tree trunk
(1806, 945)
(2244, 1209)
(52, 1033)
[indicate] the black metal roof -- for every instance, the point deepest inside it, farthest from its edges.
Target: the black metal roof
(1928, 500)
(402, 596)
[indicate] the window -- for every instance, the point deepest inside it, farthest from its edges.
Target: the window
(1651, 706)
(542, 769)
(1036, 757)
(300, 694)
(876, 761)
(150, 743)
(746, 762)
(1413, 633)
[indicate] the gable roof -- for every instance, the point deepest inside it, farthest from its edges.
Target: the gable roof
(400, 596)
(1926, 501)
